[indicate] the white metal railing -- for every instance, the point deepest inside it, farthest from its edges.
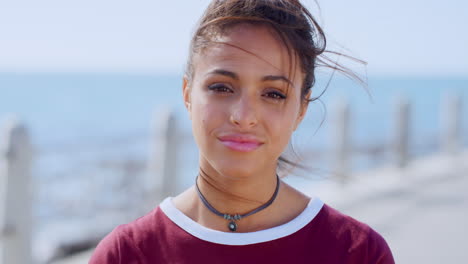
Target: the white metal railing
(163, 179)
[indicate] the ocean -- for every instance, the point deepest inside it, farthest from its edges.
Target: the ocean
(91, 132)
(63, 108)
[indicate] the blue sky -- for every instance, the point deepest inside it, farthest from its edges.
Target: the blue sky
(412, 37)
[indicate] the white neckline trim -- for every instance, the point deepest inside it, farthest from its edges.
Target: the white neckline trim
(239, 239)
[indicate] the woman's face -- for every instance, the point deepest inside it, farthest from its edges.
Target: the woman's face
(244, 101)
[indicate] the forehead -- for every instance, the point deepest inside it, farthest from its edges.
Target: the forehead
(250, 44)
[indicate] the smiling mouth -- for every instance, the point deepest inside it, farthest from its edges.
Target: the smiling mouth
(241, 146)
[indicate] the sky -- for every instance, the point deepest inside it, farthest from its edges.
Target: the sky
(399, 37)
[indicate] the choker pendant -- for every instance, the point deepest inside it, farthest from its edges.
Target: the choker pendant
(232, 221)
(232, 225)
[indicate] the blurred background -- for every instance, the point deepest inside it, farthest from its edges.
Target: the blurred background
(90, 100)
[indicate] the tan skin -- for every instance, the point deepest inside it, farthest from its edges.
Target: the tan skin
(244, 84)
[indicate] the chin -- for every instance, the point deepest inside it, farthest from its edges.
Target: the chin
(237, 168)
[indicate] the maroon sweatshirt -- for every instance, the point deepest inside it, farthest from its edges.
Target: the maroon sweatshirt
(320, 234)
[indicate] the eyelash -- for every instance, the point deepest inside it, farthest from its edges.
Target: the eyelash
(221, 88)
(276, 95)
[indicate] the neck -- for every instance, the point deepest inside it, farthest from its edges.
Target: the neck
(237, 195)
(240, 195)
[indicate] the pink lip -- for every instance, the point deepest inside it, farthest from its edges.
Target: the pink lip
(243, 143)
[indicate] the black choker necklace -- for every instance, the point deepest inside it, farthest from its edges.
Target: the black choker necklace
(233, 218)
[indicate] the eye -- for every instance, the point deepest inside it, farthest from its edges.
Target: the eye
(275, 95)
(220, 88)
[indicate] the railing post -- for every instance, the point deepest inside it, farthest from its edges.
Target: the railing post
(401, 132)
(162, 179)
(450, 124)
(15, 193)
(341, 140)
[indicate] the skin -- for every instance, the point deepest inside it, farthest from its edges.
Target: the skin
(245, 84)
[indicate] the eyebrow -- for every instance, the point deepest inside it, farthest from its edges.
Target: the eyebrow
(264, 79)
(224, 73)
(277, 78)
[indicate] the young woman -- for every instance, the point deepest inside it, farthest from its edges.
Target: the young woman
(247, 86)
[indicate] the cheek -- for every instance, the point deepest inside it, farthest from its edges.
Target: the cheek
(206, 117)
(280, 127)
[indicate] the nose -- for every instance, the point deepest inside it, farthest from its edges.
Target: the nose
(244, 113)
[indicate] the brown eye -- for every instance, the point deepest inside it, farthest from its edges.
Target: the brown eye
(276, 95)
(220, 88)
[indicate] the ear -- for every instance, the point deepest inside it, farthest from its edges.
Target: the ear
(186, 94)
(302, 110)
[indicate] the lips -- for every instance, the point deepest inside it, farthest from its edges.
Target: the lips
(240, 142)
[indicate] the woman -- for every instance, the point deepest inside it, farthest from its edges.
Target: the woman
(246, 88)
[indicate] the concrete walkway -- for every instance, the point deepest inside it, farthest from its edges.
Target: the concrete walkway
(421, 211)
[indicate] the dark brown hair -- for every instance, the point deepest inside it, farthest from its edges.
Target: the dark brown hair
(297, 28)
